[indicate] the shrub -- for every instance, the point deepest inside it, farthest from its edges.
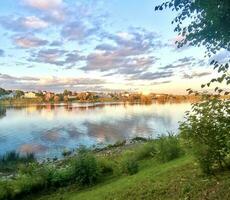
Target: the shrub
(129, 166)
(4, 190)
(145, 151)
(60, 177)
(207, 130)
(106, 166)
(168, 148)
(23, 184)
(86, 169)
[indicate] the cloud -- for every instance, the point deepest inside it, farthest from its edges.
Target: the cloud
(184, 62)
(43, 4)
(124, 53)
(34, 23)
(56, 57)
(77, 30)
(48, 83)
(222, 56)
(56, 43)
(29, 41)
(196, 75)
(160, 82)
(62, 82)
(174, 66)
(171, 66)
(178, 38)
(186, 59)
(23, 24)
(2, 52)
(151, 75)
(52, 10)
(105, 61)
(84, 20)
(50, 56)
(133, 66)
(6, 77)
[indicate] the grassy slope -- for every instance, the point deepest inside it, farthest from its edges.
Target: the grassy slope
(178, 179)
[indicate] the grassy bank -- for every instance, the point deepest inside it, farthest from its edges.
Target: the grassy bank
(142, 169)
(177, 179)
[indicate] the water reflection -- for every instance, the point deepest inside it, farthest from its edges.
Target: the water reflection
(48, 129)
(2, 112)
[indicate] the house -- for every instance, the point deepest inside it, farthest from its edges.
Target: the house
(72, 97)
(125, 94)
(30, 95)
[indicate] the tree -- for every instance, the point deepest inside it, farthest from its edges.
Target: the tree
(3, 91)
(207, 131)
(56, 98)
(65, 98)
(19, 93)
(67, 92)
(206, 127)
(207, 23)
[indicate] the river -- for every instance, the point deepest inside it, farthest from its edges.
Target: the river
(47, 130)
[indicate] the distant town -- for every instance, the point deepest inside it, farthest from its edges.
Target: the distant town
(19, 96)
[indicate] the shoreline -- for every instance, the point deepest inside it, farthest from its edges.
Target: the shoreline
(23, 103)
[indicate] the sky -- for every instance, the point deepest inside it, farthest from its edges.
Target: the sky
(95, 45)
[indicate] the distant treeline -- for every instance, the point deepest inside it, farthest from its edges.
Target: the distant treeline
(19, 97)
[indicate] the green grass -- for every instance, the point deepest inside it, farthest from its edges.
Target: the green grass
(177, 179)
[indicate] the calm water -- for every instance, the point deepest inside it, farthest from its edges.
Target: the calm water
(47, 130)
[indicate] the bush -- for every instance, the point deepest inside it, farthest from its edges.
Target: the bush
(60, 177)
(4, 190)
(145, 151)
(86, 169)
(129, 166)
(207, 130)
(106, 166)
(168, 148)
(16, 188)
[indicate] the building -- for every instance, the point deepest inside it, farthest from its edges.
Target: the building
(30, 95)
(72, 97)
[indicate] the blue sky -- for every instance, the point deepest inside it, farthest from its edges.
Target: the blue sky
(95, 45)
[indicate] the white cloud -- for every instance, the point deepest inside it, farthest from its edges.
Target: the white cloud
(54, 10)
(43, 4)
(125, 35)
(34, 22)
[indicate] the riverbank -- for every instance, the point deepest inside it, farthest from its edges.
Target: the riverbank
(140, 169)
(177, 179)
(38, 101)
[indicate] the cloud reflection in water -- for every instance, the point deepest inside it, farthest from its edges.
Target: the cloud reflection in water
(47, 130)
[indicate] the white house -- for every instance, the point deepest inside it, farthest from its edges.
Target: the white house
(30, 95)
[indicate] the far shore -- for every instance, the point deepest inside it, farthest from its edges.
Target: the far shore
(37, 102)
